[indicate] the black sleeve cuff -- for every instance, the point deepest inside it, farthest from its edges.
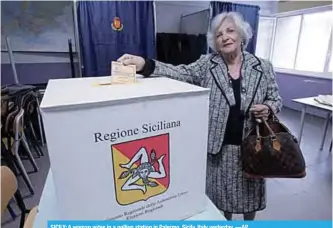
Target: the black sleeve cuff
(148, 68)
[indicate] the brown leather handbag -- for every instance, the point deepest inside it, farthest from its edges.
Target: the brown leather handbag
(270, 151)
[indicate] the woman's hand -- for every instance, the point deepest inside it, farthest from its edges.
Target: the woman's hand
(260, 111)
(138, 61)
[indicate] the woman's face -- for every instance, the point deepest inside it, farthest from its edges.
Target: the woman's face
(227, 37)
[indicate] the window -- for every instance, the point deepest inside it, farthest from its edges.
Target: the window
(265, 36)
(314, 42)
(298, 41)
(286, 39)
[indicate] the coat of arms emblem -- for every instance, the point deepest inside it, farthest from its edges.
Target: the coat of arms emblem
(116, 24)
(141, 168)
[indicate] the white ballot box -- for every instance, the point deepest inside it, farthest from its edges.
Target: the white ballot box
(127, 151)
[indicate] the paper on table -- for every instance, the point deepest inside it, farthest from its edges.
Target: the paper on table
(102, 82)
(324, 99)
(122, 74)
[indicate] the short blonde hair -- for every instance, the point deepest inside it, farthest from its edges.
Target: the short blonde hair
(244, 29)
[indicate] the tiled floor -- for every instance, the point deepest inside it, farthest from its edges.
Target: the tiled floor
(309, 198)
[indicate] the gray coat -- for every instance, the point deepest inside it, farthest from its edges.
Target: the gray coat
(210, 71)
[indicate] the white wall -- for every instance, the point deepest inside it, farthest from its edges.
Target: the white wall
(168, 16)
(36, 57)
(168, 13)
(299, 5)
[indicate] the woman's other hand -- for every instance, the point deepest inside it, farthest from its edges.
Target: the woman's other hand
(260, 111)
(138, 61)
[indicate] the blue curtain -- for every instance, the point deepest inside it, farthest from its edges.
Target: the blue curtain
(109, 29)
(250, 14)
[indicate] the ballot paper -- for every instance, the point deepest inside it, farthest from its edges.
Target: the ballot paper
(121, 74)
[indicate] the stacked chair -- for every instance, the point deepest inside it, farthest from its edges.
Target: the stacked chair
(22, 138)
(9, 190)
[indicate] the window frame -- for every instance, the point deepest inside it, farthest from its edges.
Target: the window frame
(272, 33)
(326, 74)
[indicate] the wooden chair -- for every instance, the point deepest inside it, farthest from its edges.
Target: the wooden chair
(29, 221)
(30, 104)
(30, 108)
(8, 187)
(9, 190)
(15, 139)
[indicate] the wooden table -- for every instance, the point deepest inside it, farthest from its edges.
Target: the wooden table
(310, 102)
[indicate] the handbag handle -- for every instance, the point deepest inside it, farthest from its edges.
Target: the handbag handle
(272, 115)
(258, 139)
(275, 142)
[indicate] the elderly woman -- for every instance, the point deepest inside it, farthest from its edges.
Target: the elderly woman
(243, 89)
